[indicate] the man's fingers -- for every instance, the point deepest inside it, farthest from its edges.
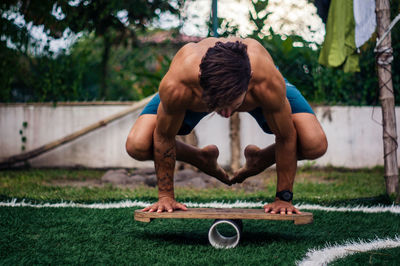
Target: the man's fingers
(282, 209)
(151, 208)
(296, 211)
(181, 206)
(274, 210)
(168, 207)
(160, 208)
(165, 205)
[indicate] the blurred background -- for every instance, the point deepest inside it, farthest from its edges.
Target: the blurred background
(68, 68)
(119, 50)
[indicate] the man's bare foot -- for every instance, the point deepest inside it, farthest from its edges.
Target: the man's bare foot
(209, 164)
(254, 165)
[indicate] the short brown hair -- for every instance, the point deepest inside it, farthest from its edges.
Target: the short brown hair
(224, 73)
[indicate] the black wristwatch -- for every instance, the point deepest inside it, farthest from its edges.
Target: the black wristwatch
(285, 195)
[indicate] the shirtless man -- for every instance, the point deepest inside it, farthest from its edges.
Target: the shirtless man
(226, 76)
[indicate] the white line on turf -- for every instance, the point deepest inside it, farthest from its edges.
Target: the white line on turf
(215, 204)
(331, 253)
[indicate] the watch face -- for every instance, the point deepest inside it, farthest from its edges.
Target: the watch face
(287, 196)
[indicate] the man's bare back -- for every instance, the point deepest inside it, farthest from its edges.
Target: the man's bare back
(265, 88)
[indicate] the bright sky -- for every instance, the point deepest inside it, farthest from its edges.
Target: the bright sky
(288, 17)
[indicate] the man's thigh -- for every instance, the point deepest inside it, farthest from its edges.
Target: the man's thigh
(141, 134)
(311, 138)
(190, 121)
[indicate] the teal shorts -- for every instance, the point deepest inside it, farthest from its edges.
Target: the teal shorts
(297, 102)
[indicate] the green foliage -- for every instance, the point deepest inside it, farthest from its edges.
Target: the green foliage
(258, 20)
(133, 73)
(45, 77)
(133, 69)
(297, 59)
(226, 28)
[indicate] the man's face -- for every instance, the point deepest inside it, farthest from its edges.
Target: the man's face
(227, 111)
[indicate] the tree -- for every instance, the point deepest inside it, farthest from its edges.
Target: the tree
(115, 21)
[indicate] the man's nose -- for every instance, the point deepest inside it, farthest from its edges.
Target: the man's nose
(227, 112)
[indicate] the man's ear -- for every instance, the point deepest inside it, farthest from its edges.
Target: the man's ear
(251, 74)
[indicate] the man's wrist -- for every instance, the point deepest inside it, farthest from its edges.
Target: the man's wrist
(284, 195)
(162, 195)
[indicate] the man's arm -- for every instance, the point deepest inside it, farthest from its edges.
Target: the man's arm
(278, 114)
(169, 120)
(281, 124)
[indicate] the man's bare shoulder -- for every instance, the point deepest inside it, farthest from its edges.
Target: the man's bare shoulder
(270, 92)
(184, 67)
(175, 96)
(267, 84)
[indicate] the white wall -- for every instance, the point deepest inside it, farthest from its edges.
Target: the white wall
(104, 147)
(354, 135)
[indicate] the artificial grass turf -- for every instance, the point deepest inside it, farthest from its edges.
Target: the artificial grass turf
(387, 257)
(111, 236)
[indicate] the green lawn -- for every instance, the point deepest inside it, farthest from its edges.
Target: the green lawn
(329, 185)
(111, 236)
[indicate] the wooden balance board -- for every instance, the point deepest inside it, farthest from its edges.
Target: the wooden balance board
(231, 217)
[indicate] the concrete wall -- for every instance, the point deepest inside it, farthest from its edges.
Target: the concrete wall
(354, 135)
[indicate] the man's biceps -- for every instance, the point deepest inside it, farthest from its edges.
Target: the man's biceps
(168, 124)
(281, 125)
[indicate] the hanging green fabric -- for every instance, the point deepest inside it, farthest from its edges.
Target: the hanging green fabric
(339, 47)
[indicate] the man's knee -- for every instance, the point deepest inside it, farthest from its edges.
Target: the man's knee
(315, 148)
(138, 149)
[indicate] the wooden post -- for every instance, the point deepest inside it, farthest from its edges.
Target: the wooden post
(234, 122)
(383, 62)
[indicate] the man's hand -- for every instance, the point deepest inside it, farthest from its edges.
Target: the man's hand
(281, 207)
(166, 204)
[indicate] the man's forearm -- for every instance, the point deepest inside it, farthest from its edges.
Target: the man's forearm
(164, 161)
(286, 163)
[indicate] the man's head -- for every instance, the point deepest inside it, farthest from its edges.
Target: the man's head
(224, 74)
